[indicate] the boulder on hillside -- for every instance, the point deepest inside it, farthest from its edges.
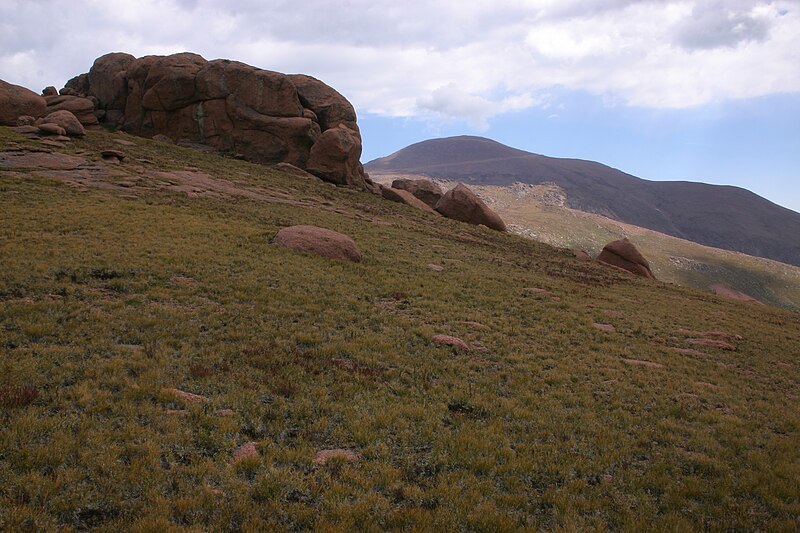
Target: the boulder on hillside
(405, 197)
(82, 108)
(66, 120)
(462, 204)
(425, 190)
(623, 254)
(16, 101)
(234, 108)
(320, 241)
(581, 255)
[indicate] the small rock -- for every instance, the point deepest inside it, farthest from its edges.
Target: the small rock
(320, 241)
(581, 255)
(478, 347)
(637, 362)
(539, 292)
(448, 340)
(124, 142)
(186, 396)
(614, 314)
(435, 268)
(712, 343)
(225, 412)
(687, 351)
(25, 120)
(323, 456)
(707, 385)
(110, 155)
(473, 324)
(247, 450)
(604, 327)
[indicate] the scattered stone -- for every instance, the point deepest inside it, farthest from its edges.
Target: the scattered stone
(712, 343)
(581, 255)
(124, 142)
(247, 450)
(544, 293)
(604, 327)
(225, 412)
(478, 347)
(713, 334)
(323, 456)
(16, 101)
(66, 120)
(687, 351)
(52, 129)
(435, 268)
(623, 254)
(722, 289)
(783, 365)
(637, 362)
(185, 396)
(614, 314)
(473, 324)
(425, 190)
(112, 155)
(447, 340)
(405, 197)
(462, 204)
(320, 241)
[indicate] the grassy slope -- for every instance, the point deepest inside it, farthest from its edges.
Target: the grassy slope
(105, 300)
(673, 260)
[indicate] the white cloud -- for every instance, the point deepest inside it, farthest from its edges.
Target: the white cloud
(443, 59)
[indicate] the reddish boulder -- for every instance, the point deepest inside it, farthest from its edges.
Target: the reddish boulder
(247, 450)
(66, 120)
(405, 197)
(320, 241)
(425, 190)
(82, 108)
(336, 155)
(464, 205)
(49, 91)
(16, 101)
(448, 340)
(623, 254)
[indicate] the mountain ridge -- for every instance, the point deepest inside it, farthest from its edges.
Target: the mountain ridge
(721, 216)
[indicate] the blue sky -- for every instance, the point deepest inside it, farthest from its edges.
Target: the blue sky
(705, 90)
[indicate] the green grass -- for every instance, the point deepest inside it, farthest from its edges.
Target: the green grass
(105, 301)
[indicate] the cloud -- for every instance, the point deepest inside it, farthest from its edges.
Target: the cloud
(437, 59)
(715, 24)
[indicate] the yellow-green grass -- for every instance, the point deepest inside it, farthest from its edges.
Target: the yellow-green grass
(105, 301)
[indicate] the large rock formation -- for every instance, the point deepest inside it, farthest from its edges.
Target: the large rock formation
(16, 101)
(265, 116)
(623, 254)
(462, 204)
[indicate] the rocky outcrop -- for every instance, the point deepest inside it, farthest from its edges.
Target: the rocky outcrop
(16, 101)
(319, 241)
(623, 254)
(425, 190)
(264, 116)
(462, 204)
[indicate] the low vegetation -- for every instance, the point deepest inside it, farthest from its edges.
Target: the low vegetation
(110, 299)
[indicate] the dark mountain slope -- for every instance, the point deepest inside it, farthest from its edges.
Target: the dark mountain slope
(720, 216)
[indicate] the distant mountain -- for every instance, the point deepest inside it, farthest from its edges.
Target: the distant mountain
(721, 216)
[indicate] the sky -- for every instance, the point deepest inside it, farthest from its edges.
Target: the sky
(699, 90)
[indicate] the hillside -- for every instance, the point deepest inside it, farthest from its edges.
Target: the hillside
(540, 212)
(586, 400)
(720, 216)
